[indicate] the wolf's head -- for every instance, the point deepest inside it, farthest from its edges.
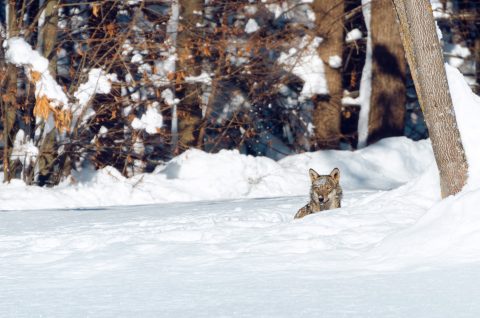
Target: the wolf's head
(324, 187)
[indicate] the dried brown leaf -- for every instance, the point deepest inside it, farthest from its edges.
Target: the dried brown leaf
(96, 10)
(42, 107)
(63, 119)
(35, 76)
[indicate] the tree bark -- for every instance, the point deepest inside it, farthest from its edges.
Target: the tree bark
(477, 65)
(327, 114)
(424, 56)
(477, 48)
(48, 32)
(9, 99)
(388, 98)
(189, 112)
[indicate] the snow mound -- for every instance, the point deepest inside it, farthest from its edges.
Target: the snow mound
(449, 231)
(199, 176)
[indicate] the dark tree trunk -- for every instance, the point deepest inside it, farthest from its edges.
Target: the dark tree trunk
(189, 111)
(48, 32)
(387, 102)
(477, 47)
(9, 100)
(330, 26)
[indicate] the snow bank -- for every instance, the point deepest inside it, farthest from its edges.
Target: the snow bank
(196, 176)
(450, 230)
(448, 233)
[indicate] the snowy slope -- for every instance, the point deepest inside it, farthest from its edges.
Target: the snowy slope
(197, 176)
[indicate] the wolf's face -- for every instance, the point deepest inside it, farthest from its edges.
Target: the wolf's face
(324, 187)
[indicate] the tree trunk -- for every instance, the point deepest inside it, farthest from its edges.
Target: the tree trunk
(424, 55)
(477, 48)
(366, 80)
(477, 65)
(9, 100)
(172, 33)
(330, 26)
(48, 32)
(189, 112)
(387, 103)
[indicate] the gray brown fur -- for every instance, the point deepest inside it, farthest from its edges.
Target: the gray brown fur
(325, 193)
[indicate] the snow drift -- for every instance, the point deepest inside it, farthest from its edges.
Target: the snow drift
(198, 176)
(449, 231)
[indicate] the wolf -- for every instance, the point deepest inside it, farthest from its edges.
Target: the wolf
(325, 193)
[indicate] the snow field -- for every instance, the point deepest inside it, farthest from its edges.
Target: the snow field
(244, 258)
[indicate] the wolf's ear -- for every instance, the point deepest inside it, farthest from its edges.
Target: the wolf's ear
(313, 174)
(335, 174)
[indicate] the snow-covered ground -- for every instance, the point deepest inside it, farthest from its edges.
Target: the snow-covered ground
(238, 258)
(396, 251)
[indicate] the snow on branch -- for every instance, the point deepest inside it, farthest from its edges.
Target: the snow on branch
(52, 103)
(98, 83)
(306, 64)
(21, 54)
